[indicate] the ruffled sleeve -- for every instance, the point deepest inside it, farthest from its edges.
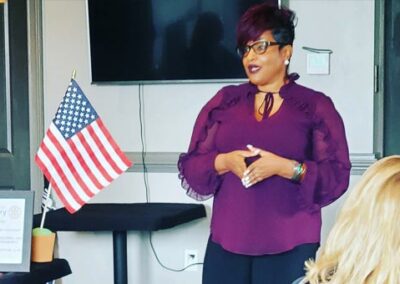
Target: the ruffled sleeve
(196, 167)
(328, 171)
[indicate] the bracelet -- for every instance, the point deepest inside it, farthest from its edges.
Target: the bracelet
(303, 173)
(299, 171)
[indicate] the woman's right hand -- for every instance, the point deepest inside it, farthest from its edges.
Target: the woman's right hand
(233, 162)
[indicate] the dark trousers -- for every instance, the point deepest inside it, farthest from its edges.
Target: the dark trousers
(223, 267)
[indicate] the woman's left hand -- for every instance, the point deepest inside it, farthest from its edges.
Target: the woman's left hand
(267, 165)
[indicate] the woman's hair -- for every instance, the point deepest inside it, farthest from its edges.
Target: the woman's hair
(364, 244)
(262, 17)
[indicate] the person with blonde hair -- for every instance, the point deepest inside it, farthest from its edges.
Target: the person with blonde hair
(363, 246)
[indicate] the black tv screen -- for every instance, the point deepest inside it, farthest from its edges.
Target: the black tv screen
(164, 40)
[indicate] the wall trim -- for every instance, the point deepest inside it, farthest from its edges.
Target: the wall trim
(165, 162)
(36, 113)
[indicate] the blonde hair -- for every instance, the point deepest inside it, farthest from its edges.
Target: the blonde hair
(364, 244)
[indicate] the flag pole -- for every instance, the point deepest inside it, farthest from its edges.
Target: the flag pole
(73, 74)
(46, 207)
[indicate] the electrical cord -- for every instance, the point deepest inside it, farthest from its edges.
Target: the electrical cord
(142, 140)
(146, 183)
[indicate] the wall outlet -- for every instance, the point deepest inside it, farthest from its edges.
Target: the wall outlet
(191, 256)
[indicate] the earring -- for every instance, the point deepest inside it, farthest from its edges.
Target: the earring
(286, 62)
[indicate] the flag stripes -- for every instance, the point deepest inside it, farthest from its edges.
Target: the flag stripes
(64, 160)
(74, 161)
(70, 203)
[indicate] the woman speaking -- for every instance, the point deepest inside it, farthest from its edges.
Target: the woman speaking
(272, 153)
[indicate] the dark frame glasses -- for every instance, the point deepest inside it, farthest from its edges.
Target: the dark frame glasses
(259, 47)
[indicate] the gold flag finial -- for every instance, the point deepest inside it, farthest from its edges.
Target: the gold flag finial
(73, 72)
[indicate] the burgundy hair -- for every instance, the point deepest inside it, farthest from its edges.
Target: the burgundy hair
(262, 17)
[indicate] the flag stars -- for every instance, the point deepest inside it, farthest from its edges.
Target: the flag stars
(74, 113)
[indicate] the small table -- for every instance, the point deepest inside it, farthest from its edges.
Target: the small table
(120, 218)
(40, 273)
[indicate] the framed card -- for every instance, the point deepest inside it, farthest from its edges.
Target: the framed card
(16, 213)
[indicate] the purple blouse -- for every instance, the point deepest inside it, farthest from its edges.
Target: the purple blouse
(276, 214)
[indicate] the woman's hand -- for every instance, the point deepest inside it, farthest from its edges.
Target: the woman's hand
(268, 165)
(233, 162)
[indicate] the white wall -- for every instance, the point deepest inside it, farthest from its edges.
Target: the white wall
(170, 111)
(347, 28)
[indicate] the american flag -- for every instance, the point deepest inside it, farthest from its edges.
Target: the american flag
(78, 155)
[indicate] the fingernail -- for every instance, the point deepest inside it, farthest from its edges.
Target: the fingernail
(246, 172)
(249, 146)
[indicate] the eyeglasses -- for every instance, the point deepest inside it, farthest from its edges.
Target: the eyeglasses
(259, 47)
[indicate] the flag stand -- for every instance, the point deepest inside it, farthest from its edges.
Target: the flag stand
(46, 206)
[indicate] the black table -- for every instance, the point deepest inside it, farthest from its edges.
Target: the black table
(40, 273)
(120, 218)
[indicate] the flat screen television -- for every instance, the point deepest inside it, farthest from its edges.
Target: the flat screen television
(139, 41)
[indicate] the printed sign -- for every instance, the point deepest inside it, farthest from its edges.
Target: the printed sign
(11, 230)
(16, 213)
